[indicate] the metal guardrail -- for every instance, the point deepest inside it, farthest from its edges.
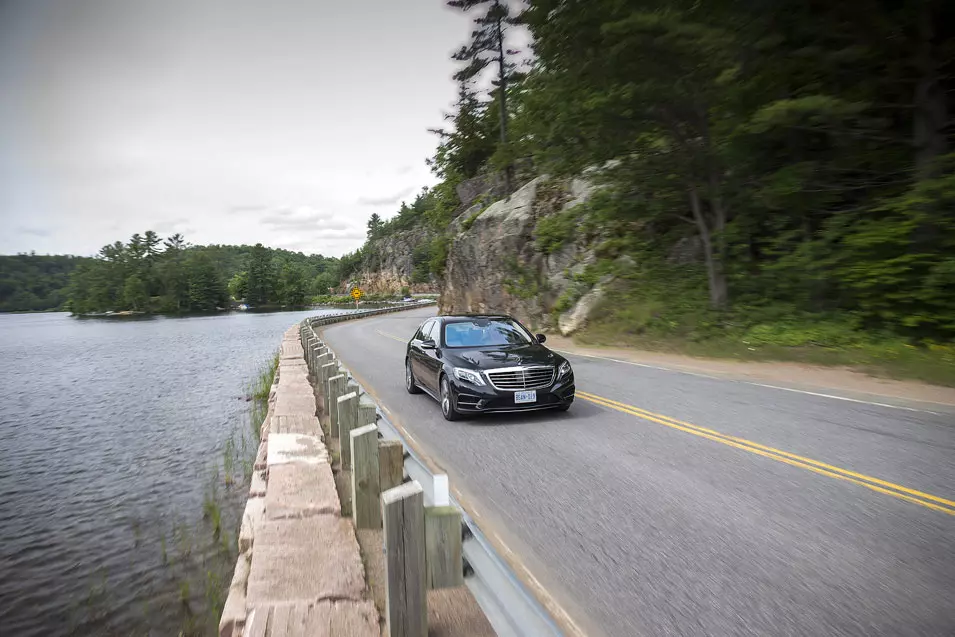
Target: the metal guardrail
(510, 608)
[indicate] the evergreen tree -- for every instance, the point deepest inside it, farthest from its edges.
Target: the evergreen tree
(374, 225)
(206, 288)
(135, 296)
(291, 285)
(487, 46)
(464, 150)
(261, 286)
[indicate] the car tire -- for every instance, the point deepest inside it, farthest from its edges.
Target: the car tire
(447, 401)
(410, 384)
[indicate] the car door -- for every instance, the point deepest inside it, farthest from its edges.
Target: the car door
(417, 353)
(431, 358)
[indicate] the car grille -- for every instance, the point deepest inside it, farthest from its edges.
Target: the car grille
(519, 378)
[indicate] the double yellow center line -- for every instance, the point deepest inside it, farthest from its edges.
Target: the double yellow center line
(888, 488)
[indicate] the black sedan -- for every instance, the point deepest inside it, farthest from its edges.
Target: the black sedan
(486, 363)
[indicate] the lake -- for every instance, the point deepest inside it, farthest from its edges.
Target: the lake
(112, 471)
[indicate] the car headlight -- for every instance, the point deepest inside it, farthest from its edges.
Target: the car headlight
(563, 370)
(469, 375)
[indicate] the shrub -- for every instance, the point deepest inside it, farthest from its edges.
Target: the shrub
(552, 232)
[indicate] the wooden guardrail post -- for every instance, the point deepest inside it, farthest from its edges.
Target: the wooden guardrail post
(365, 483)
(442, 528)
(367, 410)
(391, 464)
(334, 389)
(406, 595)
(314, 349)
(325, 372)
(323, 359)
(347, 420)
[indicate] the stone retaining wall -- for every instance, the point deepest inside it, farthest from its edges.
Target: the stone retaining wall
(299, 571)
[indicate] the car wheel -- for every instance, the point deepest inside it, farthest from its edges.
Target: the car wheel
(447, 401)
(410, 383)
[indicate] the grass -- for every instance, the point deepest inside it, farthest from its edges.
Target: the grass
(650, 324)
(258, 392)
(467, 223)
(260, 387)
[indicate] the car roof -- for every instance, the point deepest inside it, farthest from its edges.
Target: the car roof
(465, 317)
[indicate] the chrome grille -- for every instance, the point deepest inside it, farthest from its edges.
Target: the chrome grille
(520, 378)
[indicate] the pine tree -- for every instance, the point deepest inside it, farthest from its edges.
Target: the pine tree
(487, 47)
(374, 225)
(467, 147)
(261, 286)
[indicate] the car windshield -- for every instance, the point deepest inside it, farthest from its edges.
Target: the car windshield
(485, 333)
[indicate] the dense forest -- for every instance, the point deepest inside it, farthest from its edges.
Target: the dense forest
(803, 148)
(31, 282)
(149, 274)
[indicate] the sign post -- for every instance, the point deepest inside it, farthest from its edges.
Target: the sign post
(356, 294)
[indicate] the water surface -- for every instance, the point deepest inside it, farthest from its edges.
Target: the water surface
(110, 429)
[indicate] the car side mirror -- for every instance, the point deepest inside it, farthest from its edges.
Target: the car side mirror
(541, 338)
(428, 344)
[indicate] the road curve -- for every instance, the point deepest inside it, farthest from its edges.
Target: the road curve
(665, 503)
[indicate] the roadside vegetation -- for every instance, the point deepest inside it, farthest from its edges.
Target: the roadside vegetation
(776, 183)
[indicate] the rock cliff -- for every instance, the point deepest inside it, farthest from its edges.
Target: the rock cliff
(390, 264)
(496, 265)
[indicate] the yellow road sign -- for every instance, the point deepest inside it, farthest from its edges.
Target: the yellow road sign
(356, 293)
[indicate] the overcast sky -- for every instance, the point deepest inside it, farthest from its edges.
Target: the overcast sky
(231, 121)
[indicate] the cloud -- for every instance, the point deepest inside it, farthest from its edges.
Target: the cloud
(172, 225)
(313, 222)
(245, 210)
(36, 232)
(404, 170)
(386, 201)
(343, 240)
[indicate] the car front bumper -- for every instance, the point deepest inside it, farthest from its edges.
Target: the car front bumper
(473, 399)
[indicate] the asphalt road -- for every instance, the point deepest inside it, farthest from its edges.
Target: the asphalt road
(665, 503)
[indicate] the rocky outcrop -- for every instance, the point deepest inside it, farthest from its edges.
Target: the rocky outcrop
(389, 264)
(575, 318)
(494, 264)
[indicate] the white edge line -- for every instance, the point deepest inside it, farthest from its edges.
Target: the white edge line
(846, 398)
(789, 389)
(623, 362)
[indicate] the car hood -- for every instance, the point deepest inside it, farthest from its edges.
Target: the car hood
(507, 356)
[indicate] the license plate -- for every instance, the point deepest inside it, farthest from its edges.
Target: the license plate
(525, 397)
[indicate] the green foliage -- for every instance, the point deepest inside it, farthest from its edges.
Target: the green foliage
(467, 223)
(779, 138)
(374, 225)
(522, 280)
(420, 262)
(182, 278)
(438, 259)
(261, 286)
(820, 333)
(135, 295)
(32, 282)
(239, 285)
(323, 282)
(291, 285)
(553, 231)
(207, 290)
